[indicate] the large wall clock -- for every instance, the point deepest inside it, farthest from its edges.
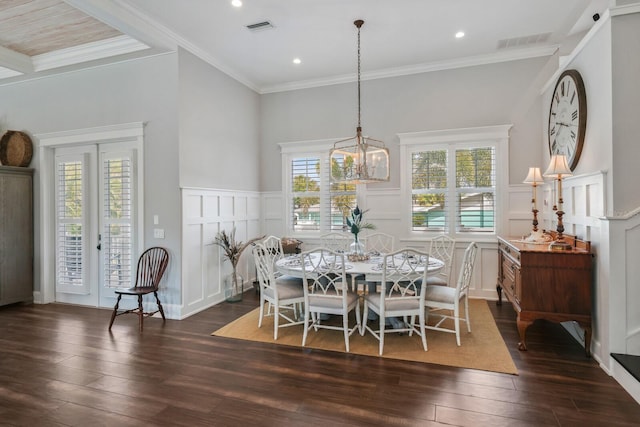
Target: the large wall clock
(568, 117)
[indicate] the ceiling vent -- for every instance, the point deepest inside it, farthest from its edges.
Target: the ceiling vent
(523, 41)
(259, 26)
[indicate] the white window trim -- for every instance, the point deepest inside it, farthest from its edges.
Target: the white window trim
(46, 143)
(460, 138)
(317, 147)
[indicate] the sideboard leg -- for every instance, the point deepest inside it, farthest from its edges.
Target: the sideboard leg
(522, 330)
(587, 340)
(499, 290)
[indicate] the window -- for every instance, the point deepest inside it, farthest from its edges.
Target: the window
(452, 179)
(314, 203)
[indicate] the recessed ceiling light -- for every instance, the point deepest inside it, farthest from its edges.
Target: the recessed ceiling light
(460, 34)
(297, 61)
(236, 3)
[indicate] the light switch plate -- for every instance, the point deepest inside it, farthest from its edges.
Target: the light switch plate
(158, 233)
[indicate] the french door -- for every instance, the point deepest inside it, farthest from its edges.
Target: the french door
(96, 221)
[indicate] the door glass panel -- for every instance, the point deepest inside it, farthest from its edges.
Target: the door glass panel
(70, 208)
(117, 219)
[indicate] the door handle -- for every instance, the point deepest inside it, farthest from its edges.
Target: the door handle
(99, 247)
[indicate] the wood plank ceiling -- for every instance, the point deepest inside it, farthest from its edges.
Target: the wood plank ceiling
(34, 27)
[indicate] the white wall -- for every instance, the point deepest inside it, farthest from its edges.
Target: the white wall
(625, 34)
(219, 176)
(466, 97)
(218, 128)
(142, 90)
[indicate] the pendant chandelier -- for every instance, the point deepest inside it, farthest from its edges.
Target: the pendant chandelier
(360, 159)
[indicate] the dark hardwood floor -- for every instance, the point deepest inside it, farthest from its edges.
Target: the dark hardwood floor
(59, 365)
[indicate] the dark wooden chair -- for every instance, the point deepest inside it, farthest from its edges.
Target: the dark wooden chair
(151, 266)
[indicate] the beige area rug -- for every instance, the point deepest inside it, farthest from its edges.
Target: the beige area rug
(482, 349)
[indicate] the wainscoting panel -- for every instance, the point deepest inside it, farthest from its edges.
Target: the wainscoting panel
(584, 205)
(204, 213)
(273, 215)
(618, 279)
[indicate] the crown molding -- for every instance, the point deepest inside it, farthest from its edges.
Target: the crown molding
(472, 61)
(625, 9)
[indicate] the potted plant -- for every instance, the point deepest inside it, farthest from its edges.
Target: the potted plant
(357, 224)
(232, 251)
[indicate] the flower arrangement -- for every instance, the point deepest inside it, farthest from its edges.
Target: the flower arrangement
(232, 251)
(356, 222)
(232, 248)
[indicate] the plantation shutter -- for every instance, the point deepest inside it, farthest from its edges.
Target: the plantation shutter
(305, 192)
(475, 189)
(118, 215)
(430, 198)
(71, 223)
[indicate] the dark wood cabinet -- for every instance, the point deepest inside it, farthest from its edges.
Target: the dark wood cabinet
(16, 235)
(545, 284)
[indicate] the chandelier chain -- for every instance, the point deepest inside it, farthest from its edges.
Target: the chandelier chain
(359, 124)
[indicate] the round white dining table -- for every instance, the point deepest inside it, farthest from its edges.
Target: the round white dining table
(372, 268)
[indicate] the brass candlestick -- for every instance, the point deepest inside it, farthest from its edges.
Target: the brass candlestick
(558, 168)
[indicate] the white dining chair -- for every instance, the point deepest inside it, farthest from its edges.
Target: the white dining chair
(336, 241)
(380, 243)
(326, 291)
(402, 290)
(443, 248)
(444, 301)
(283, 293)
(275, 252)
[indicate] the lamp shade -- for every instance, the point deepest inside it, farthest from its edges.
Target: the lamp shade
(558, 167)
(534, 177)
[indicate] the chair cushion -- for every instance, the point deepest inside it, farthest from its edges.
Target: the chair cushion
(289, 279)
(331, 302)
(392, 304)
(436, 281)
(286, 290)
(442, 294)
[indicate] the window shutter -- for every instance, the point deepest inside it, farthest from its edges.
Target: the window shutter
(70, 190)
(117, 219)
(429, 190)
(305, 190)
(475, 188)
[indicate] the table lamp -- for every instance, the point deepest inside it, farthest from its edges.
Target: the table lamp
(558, 169)
(534, 178)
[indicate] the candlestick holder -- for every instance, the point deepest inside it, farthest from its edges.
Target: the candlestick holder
(558, 168)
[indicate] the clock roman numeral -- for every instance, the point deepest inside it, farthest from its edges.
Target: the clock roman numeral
(573, 97)
(574, 115)
(573, 135)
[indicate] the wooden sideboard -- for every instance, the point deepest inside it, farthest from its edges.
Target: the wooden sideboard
(545, 284)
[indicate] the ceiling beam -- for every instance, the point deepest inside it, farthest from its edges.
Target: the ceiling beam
(15, 61)
(126, 19)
